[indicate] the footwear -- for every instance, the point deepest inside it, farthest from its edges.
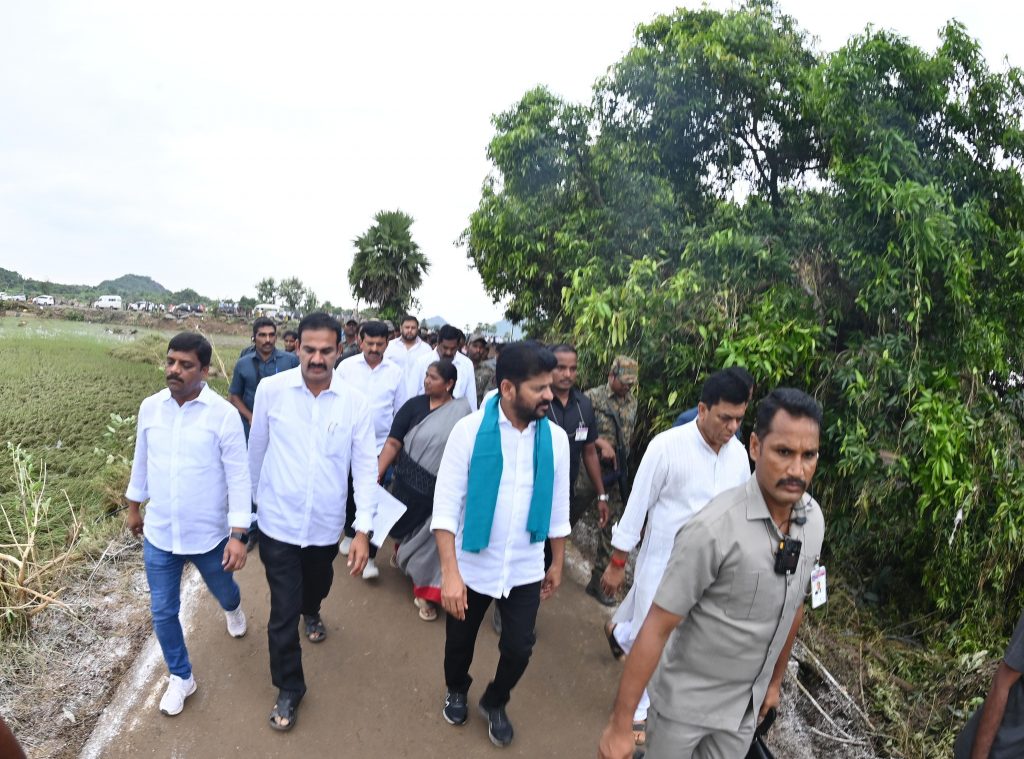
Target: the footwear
(284, 714)
(393, 561)
(499, 729)
(426, 609)
(177, 691)
(315, 630)
(236, 622)
(640, 732)
(455, 711)
(370, 571)
(345, 545)
(594, 589)
(617, 651)
(496, 620)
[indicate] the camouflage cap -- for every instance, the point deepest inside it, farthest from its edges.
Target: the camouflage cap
(477, 337)
(626, 370)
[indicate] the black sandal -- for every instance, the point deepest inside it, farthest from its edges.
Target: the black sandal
(609, 632)
(315, 626)
(284, 711)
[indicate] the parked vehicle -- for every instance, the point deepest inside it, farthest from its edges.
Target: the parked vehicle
(227, 307)
(181, 308)
(111, 302)
(270, 310)
(43, 300)
(21, 297)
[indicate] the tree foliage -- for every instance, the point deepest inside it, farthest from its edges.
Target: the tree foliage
(851, 223)
(266, 290)
(388, 266)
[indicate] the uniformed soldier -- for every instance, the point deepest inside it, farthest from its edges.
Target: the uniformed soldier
(615, 409)
(483, 369)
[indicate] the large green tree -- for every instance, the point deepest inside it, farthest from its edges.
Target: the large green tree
(388, 266)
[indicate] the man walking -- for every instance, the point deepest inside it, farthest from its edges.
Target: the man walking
(309, 428)
(615, 410)
(190, 464)
(733, 596)
(682, 469)
(265, 360)
(448, 339)
(502, 488)
(483, 370)
(407, 348)
(382, 382)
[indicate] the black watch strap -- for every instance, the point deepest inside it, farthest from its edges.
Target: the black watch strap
(242, 535)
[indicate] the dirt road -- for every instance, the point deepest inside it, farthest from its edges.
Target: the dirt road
(375, 684)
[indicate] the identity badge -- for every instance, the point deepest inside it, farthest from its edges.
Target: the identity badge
(581, 434)
(819, 592)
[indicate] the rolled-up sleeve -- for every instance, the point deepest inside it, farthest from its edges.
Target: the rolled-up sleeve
(647, 485)
(138, 485)
(236, 470)
(452, 480)
(364, 466)
(560, 526)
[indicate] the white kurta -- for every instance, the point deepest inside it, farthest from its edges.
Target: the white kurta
(677, 477)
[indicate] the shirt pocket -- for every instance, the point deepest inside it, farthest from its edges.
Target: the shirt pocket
(337, 440)
(742, 595)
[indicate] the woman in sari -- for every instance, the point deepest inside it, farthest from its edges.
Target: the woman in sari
(415, 445)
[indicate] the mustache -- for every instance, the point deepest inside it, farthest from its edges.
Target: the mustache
(791, 481)
(318, 366)
(172, 377)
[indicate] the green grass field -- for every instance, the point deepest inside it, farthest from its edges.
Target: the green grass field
(60, 382)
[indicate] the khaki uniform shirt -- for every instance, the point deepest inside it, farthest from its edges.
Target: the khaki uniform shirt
(737, 611)
(608, 407)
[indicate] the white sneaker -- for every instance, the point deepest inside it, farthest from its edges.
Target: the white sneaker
(345, 545)
(177, 691)
(236, 622)
(370, 571)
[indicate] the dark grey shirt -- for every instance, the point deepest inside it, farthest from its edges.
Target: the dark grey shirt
(1009, 742)
(576, 417)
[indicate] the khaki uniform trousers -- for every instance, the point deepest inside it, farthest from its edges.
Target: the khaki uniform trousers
(668, 739)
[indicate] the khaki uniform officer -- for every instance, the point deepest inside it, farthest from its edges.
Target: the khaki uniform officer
(734, 596)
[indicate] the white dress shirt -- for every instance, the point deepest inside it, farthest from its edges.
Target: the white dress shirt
(383, 386)
(190, 463)
(397, 352)
(510, 559)
(300, 449)
(465, 384)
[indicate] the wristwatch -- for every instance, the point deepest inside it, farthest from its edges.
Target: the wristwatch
(603, 497)
(241, 535)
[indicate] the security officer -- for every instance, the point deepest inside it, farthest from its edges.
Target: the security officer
(615, 409)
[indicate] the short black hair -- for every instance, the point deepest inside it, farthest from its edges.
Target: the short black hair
(449, 332)
(290, 333)
(447, 370)
(263, 321)
(374, 329)
(564, 348)
(724, 385)
(409, 318)
(794, 402)
(522, 360)
(192, 342)
(319, 320)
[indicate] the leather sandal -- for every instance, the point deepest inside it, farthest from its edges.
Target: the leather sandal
(617, 651)
(315, 630)
(640, 733)
(284, 714)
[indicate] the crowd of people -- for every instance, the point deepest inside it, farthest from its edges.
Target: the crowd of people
(484, 455)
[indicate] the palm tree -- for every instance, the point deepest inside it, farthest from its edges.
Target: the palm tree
(388, 265)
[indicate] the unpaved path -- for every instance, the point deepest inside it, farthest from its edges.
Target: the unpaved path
(375, 684)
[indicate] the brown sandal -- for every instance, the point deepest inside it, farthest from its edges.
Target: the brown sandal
(640, 733)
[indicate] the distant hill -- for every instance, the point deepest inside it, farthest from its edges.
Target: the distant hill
(134, 284)
(434, 322)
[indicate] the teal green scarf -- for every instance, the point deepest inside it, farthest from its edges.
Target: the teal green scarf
(485, 477)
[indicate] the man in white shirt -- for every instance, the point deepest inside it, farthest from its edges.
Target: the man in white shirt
(407, 348)
(382, 382)
(190, 464)
(682, 470)
(448, 340)
(494, 504)
(309, 428)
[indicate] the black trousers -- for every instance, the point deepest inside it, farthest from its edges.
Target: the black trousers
(518, 620)
(299, 580)
(350, 517)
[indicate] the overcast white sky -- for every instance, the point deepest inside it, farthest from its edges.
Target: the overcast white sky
(211, 144)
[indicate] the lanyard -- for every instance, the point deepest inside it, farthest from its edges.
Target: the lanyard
(554, 417)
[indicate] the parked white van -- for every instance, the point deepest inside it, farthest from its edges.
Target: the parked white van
(112, 302)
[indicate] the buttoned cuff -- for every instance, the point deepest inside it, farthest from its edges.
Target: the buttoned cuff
(136, 494)
(441, 522)
(239, 519)
(363, 522)
(622, 541)
(561, 530)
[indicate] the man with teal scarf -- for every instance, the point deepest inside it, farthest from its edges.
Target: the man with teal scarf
(502, 489)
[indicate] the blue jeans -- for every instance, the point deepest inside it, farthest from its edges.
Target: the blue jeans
(163, 571)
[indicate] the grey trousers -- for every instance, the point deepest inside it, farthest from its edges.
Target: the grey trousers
(668, 739)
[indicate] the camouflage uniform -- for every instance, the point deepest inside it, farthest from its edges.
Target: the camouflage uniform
(616, 423)
(484, 379)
